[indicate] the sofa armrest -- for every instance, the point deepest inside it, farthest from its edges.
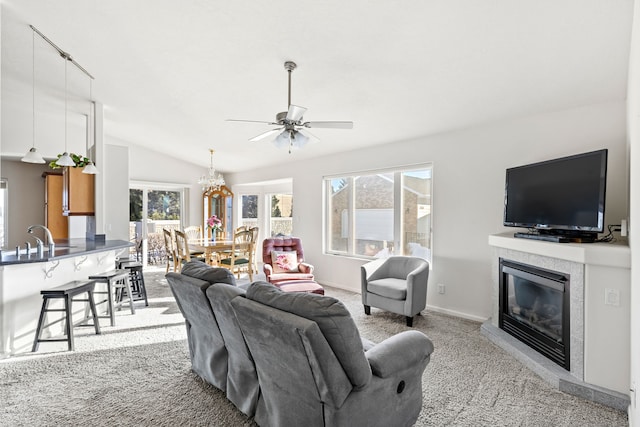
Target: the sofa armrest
(305, 268)
(368, 269)
(268, 270)
(398, 352)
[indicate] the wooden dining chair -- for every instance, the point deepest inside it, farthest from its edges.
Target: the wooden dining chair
(240, 258)
(182, 249)
(254, 245)
(193, 232)
(170, 249)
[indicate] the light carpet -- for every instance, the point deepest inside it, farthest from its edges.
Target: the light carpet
(138, 373)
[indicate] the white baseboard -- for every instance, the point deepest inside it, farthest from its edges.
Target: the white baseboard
(456, 313)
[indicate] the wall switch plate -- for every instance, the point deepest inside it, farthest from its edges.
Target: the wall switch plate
(440, 288)
(612, 297)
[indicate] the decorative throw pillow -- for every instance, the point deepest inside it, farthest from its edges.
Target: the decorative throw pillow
(284, 262)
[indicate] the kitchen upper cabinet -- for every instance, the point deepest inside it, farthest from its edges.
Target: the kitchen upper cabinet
(78, 193)
(54, 220)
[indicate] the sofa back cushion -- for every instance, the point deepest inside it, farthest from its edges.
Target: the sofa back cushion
(242, 381)
(333, 319)
(206, 344)
(202, 271)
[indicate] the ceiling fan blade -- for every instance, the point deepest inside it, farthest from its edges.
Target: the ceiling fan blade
(329, 125)
(266, 134)
(250, 121)
(295, 113)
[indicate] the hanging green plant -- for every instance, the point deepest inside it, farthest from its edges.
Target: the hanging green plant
(80, 161)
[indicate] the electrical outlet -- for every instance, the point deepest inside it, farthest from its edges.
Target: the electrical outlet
(440, 288)
(623, 227)
(612, 297)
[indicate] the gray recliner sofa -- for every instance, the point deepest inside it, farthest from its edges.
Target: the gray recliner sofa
(217, 348)
(298, 359)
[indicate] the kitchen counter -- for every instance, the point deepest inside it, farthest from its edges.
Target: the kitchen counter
(23, 277)
(64, 248)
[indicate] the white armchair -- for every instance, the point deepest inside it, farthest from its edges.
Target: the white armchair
(397, 284)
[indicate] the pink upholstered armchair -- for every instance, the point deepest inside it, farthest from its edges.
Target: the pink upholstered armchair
(283, 259)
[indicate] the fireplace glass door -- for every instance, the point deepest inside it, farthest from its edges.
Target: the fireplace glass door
(535, 308)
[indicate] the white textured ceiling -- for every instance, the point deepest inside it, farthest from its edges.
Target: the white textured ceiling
(170, 72)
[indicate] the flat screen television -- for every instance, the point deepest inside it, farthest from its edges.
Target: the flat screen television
(560, 200)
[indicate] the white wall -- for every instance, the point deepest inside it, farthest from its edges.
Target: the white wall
(26, 199)
(116, 195)
(152, 166)
(633, 116)
(468, 186)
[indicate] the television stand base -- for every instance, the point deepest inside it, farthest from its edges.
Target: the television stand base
(545, 237)
(557, 238)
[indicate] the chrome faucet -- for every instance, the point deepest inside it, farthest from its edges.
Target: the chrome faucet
(39, 246)
(50, 241)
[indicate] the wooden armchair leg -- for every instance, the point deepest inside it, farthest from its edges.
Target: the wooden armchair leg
(410, 321)
(367, 309)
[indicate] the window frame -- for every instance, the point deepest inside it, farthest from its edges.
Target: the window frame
(398, 204)
(4, 193)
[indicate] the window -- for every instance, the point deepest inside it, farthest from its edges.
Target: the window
(249, 210)
(281, 214)
(379, 214)
(4, 197)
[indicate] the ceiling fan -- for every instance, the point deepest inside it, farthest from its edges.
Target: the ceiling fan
(291, 128)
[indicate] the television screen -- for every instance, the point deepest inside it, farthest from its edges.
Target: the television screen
(564, 196)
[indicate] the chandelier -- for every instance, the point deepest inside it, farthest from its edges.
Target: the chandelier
(214, 180)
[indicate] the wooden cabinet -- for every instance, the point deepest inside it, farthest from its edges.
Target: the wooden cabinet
(78, 192)
(219, 203)
(54, 220)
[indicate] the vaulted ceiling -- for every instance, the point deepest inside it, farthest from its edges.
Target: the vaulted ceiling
(170, 73)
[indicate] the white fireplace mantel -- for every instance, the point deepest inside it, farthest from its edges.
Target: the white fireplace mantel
(600, 295)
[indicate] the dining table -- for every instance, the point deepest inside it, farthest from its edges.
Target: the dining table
(210, 248)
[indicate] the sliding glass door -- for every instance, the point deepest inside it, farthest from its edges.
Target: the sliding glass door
(151, 209)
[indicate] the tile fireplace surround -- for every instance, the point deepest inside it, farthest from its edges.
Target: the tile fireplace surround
(599, 315)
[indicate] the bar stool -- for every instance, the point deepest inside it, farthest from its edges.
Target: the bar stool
(136, 277)
(117, 282)
(66, 292)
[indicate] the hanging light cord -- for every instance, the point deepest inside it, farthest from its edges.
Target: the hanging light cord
(65, 105)
(33, 86)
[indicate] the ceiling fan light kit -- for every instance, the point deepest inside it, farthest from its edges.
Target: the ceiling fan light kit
(291, 131)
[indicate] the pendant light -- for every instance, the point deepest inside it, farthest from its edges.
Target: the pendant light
(32, 155)
(65, 159)
(90, 168)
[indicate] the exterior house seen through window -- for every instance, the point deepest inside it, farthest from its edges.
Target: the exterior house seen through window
(380, 213)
